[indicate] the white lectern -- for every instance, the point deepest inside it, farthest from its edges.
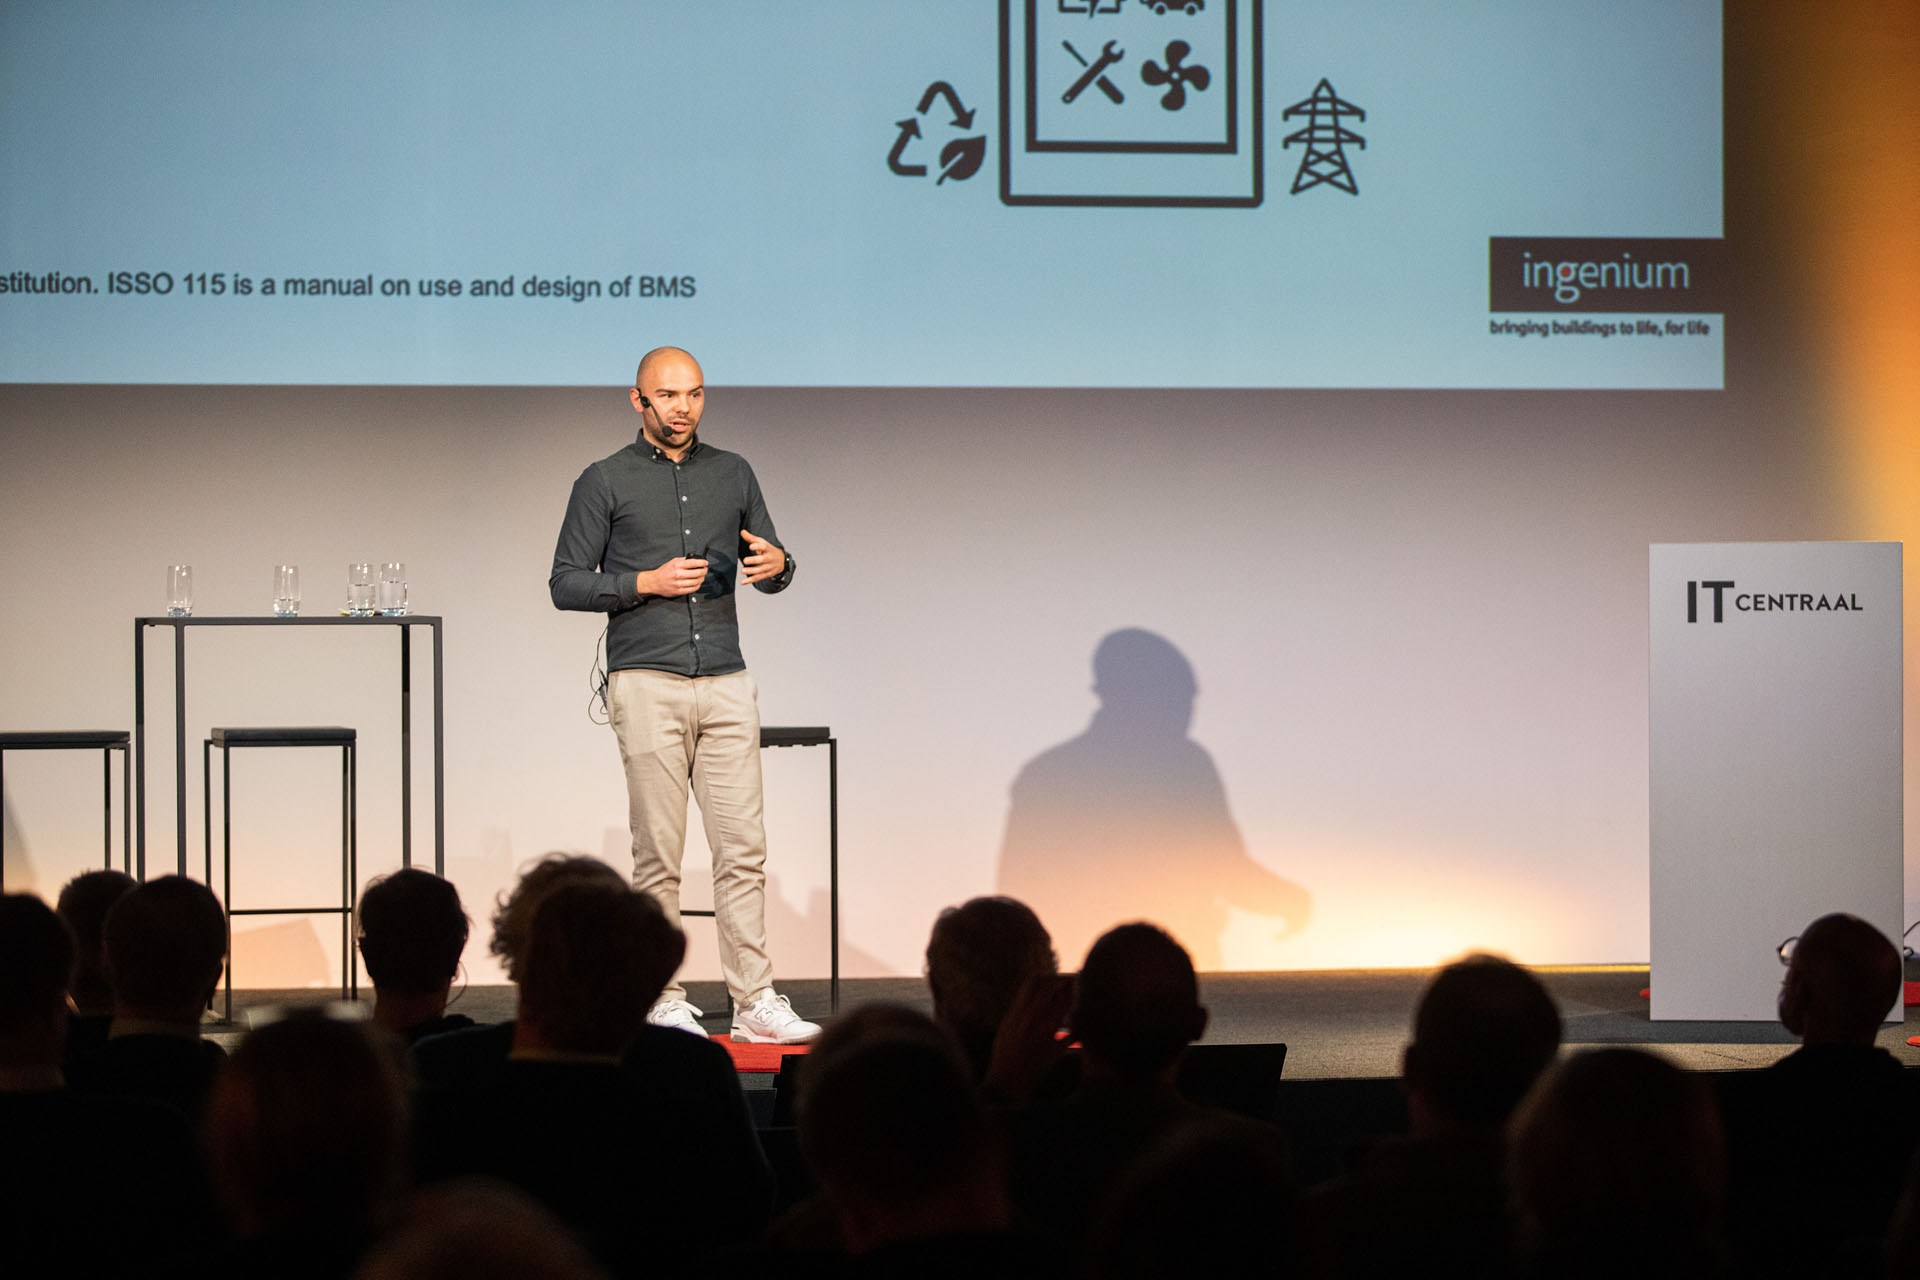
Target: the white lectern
(1774, 753)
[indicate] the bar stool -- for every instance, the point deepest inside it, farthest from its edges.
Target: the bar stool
(821, 736)
(812, 736)
(106, 742)
(228, 740)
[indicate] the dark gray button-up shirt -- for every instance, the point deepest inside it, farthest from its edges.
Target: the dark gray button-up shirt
(639, 509)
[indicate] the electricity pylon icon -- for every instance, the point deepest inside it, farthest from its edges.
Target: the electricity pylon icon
(1325, 139)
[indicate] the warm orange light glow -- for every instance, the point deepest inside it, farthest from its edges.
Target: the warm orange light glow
(1841, 112)
(1444, 903)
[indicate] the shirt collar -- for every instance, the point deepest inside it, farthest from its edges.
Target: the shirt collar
(660, 455)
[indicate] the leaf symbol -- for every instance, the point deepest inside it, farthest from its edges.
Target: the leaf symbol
(960, 159)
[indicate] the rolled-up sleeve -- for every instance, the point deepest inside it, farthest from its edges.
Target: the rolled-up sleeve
(578, 580)
(759, 522)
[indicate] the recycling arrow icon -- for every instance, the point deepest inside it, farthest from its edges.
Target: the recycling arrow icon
(909, 130)
(960, 157)
(962, 116)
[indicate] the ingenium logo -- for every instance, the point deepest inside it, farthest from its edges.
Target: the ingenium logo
(1569, 279)
(1535, 273)
(1766, 601)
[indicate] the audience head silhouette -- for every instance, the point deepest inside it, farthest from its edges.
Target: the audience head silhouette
(1617, 1168)
(597, 957)
(475, 1227)
(36, 959)
(1841, 980)
(1215, 1198)
(412, 931)
(1138, 1005)
(84, 903)
(890, 1125)
(513, 915)
(166, 942)
(979, 955)
(307, 1133)
(1484, 1031)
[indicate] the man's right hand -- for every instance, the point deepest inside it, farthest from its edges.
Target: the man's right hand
(680, 576)
(1029, 1042)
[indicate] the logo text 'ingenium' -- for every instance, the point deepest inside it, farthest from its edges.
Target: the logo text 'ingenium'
(1567, 279)
(1638, 274)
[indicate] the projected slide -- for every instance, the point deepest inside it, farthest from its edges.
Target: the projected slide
(1217, 193)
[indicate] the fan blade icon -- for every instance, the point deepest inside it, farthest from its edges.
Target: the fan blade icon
(1175, 76)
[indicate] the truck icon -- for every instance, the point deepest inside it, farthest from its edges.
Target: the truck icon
(1187, 6)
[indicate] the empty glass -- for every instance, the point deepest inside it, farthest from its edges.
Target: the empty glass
(286, 591)
(179, 591)
(360, 590)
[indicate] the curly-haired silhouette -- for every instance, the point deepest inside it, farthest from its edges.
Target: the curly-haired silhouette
(1129, 820)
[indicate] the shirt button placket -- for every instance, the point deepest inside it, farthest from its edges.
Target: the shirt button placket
(688, 550)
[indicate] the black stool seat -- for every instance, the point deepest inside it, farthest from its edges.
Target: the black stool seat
(55, 739)
(106, 742)
(790, 736)
(299, 736)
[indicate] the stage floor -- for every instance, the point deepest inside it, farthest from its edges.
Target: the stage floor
(1336, 1025)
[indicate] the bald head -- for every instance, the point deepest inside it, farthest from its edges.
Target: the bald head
(1843, 977)
(669, 393)
(650, 362)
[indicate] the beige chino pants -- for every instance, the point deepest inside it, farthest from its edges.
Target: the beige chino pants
(705, 730)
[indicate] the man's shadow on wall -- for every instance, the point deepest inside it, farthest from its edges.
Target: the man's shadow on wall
(1129, 820)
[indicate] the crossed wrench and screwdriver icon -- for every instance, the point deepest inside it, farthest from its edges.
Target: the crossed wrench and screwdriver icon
(1093, 74)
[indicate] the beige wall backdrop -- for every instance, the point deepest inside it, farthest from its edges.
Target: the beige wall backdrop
(1415, 622)
(1417, 625)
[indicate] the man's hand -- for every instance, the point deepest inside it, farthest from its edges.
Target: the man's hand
(764, 560)
(680, 576)
(1029, 1043)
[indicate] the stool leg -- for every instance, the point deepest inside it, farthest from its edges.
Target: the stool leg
(346, 874)
(226, 860)
(106, 804)
(353, 862)
(206, 813)
(833, 873)
(3, 821)
(126, 810)
(206, 841)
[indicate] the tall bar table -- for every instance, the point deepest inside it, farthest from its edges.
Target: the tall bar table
(404, 625)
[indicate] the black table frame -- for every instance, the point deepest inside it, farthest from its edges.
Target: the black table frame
(106, 742)
(180, 625)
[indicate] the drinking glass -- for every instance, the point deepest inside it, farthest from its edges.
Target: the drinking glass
(286, 591)
(392, 591)
(179, 591)
(360, 590)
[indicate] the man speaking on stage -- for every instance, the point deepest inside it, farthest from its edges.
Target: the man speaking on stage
(654, 536)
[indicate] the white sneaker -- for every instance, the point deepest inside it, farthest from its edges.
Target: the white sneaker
(677, 1014)
(771, 1020)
